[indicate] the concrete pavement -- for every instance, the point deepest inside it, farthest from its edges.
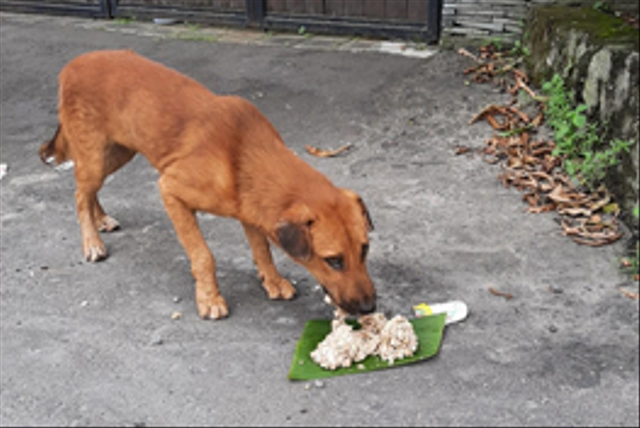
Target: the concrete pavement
(95, 344)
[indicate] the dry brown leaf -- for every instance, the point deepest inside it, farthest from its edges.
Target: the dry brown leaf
(546, 183)
(532, 198)
(629, 294)
(537, 121)
(326, 153)
(496, 124)
(464, 52)
(495, 292)
(523, 85)
(521, 74)
(599, 241)
(574, 212)
(460, 150)
(513, 90)
(569, 197)
(570, 230)
(603, 198)
(523, 116)
(542, 208)
(595, 219)
(491, 108)
(515, 162)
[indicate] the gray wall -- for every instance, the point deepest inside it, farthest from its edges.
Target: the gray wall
(502, 19)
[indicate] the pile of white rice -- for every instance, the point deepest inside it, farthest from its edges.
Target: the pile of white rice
(392, 340)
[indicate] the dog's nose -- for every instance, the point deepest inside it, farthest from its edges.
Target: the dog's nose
(368, 306)
(359, 307)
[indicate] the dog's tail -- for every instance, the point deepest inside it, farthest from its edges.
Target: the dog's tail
(55, 151)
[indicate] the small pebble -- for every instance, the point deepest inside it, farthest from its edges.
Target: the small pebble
(307, 386)
(156, 340)
(319, 384)
(176, 316)
(555, 290)
(177, 299)
(553, 328)
(84, 303)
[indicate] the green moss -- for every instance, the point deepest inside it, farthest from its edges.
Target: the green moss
(602, 28)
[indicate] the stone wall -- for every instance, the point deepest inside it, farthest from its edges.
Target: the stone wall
(502, 20)
(598, 59)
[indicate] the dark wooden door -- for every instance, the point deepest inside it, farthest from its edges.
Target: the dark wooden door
(92, 8)
(408, 19)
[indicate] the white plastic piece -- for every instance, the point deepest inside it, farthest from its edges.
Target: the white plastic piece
(165, 21)
(456, 310)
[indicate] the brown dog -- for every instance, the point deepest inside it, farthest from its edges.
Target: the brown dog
(216, 154)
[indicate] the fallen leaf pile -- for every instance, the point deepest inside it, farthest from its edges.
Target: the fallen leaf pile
(528, 164)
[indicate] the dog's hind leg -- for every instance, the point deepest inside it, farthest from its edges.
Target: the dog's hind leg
(274, 284)
(203, 266)
(116, 157)
(90, 174)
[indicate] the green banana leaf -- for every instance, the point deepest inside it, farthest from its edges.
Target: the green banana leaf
(428, 329)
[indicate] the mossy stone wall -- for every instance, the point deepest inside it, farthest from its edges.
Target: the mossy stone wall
(597, 55)
(466, 22)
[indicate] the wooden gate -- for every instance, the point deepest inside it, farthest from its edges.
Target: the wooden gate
(390, 18)
(409, 19)
(91, 8)
(226, 12)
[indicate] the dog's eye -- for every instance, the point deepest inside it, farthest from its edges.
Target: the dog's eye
(336, 263)
(365, 251)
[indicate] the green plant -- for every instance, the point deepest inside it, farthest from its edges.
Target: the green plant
(602, 6)
(631, 264)
(519, 50)
(496, 43)
(124, 21)
(578, 142)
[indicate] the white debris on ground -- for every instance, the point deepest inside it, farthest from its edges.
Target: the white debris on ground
(3, 170)
(390, 339)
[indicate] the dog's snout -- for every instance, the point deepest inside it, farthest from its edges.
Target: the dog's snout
(368, 306)
(360, 307)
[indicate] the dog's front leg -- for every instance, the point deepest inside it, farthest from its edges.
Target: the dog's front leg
(274, 284)
(203, 266)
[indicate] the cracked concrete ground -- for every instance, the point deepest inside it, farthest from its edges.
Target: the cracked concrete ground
(96, 345)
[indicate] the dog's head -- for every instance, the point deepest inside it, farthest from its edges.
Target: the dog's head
(329, 236)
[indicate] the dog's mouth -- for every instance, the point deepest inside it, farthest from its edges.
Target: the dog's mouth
(351, 308)
(338, 312)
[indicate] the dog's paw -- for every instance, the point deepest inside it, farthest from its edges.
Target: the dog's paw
(279, 288)
(94, 251)
(108, 224)
(212, 308)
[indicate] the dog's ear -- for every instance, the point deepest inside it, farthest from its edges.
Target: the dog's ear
(365, 212)
(293, 234)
